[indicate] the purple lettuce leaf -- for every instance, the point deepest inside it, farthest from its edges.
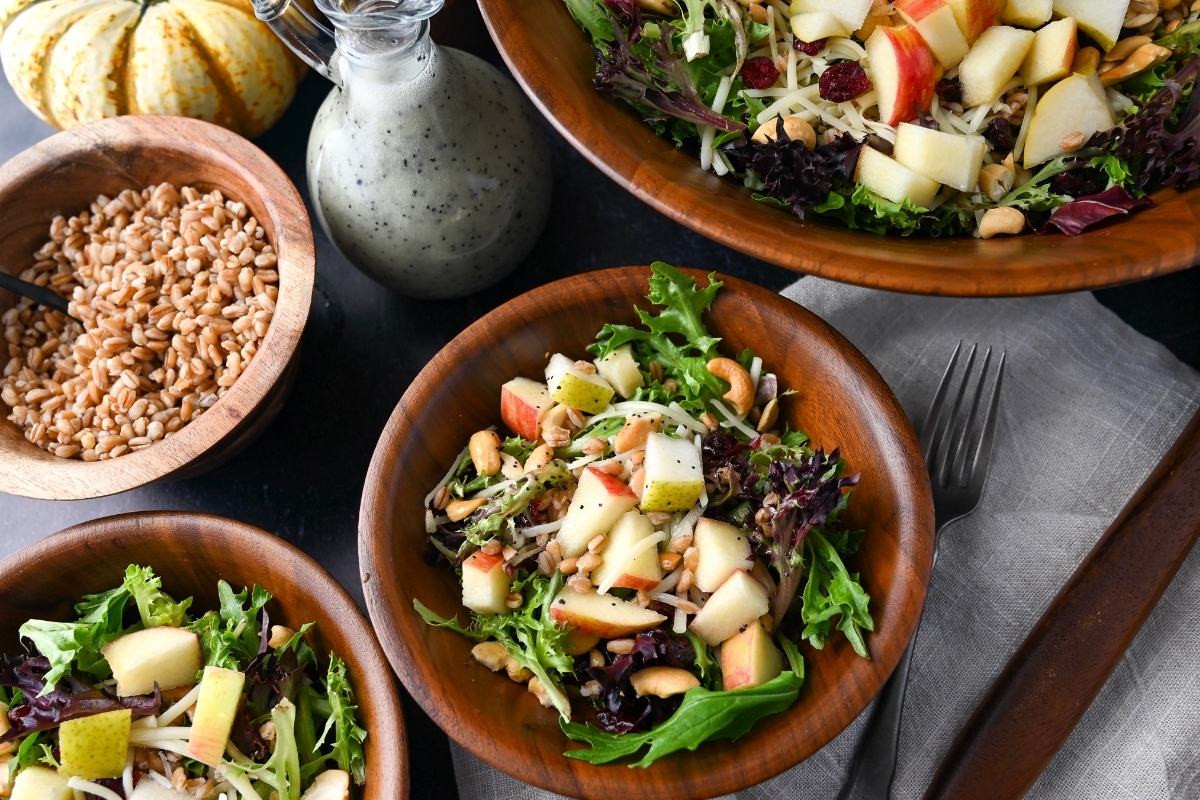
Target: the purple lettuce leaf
(70, 699)
(1091, 210)
(620, 709)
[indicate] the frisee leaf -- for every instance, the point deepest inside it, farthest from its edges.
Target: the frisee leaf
(704, 715)
(348, 735)
(229, 637)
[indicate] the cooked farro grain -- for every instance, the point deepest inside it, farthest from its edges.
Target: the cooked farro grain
(176, 290)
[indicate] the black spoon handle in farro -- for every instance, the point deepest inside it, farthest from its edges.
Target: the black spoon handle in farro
(38, 294)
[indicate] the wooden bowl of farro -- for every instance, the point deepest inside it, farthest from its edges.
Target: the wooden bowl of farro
(188, 257)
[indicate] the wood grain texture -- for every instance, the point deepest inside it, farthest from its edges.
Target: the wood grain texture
(551, 58)
(1044, 690)
(191, 552)
(841, 401)
(63, 175)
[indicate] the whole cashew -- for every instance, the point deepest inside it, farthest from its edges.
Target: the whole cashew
(741, 388)
(484, 448)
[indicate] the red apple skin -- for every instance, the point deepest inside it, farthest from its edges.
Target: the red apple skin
(981, 15)
(613, 485)
(596, 627)
(918, 10)
(484, 562)
(917, 69)
(627, 581)
(520, 415)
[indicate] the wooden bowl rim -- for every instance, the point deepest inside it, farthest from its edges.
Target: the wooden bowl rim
(958, 267)
(375, 688)
(26, 472)
(915, 524)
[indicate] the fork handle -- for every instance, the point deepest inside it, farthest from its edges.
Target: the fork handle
(1048, 685)
(874, 764)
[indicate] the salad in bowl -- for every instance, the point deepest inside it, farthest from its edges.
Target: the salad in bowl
(918, 117)
(139, 697)
(644, 544)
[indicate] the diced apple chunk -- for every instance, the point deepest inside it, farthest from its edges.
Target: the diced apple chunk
(674, 475)
(934, 20)
(903, 72)
(599, 501)
(813, 26)
(485, 583)
(851, 13)
(1027, 13)
(1052, 54)
(169, 657)
(952, 159)
(1100, 19)
(888, 178)
(1075, 106)
(993, 61)
(96, 746)
(976, 16)
(721, 550)
(602, 614)
(216, 707)
(40, 783)
(576, 388)
(620, 569)
(621, 370)
(749, 658)
(523, 404)
(739, 601)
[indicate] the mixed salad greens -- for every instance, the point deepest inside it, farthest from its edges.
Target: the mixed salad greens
(138, 699)
(926, 117)
(651, 542)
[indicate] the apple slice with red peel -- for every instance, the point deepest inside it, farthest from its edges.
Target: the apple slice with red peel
(749, 658)
(485, 583)
(976, 16)
(993, 61)
(602, 615)
(934, 20)
(1052, 54)
(1075, 106)
(1031, 14)
(621, 570)
(598, 502)
(740, 601)
(904, 73)
(523, 404)
(216, 707)
(888, 178)
(1100, 19)
(952, 159)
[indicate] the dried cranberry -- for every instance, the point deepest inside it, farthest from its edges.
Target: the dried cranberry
(809, 48)
(999, 135)
(759, 73)
(950, 90)
(844, 81)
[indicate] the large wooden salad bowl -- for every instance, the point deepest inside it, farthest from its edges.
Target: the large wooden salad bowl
(552, 59)
(841, 400)
(191, 552)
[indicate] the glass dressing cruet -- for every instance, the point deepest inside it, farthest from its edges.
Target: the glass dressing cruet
(426, 166)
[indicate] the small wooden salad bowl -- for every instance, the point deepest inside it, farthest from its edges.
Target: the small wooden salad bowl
(841, 401)
(191, 552)
(552, 60)
(63, 175)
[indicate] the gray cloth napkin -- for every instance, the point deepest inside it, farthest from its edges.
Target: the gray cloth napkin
(1089, 407)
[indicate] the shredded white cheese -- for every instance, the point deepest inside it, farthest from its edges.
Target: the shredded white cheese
(179, 708)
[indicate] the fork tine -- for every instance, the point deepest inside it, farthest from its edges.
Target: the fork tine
(934, 411)
(956, 464)
(942, 456)
(983, 450)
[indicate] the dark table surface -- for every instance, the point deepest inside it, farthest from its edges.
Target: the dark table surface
(303, 478)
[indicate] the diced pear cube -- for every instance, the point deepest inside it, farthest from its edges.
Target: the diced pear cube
(96, 746)
(573, 387)
(674, 475)
(621, 370)
(40, 783)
